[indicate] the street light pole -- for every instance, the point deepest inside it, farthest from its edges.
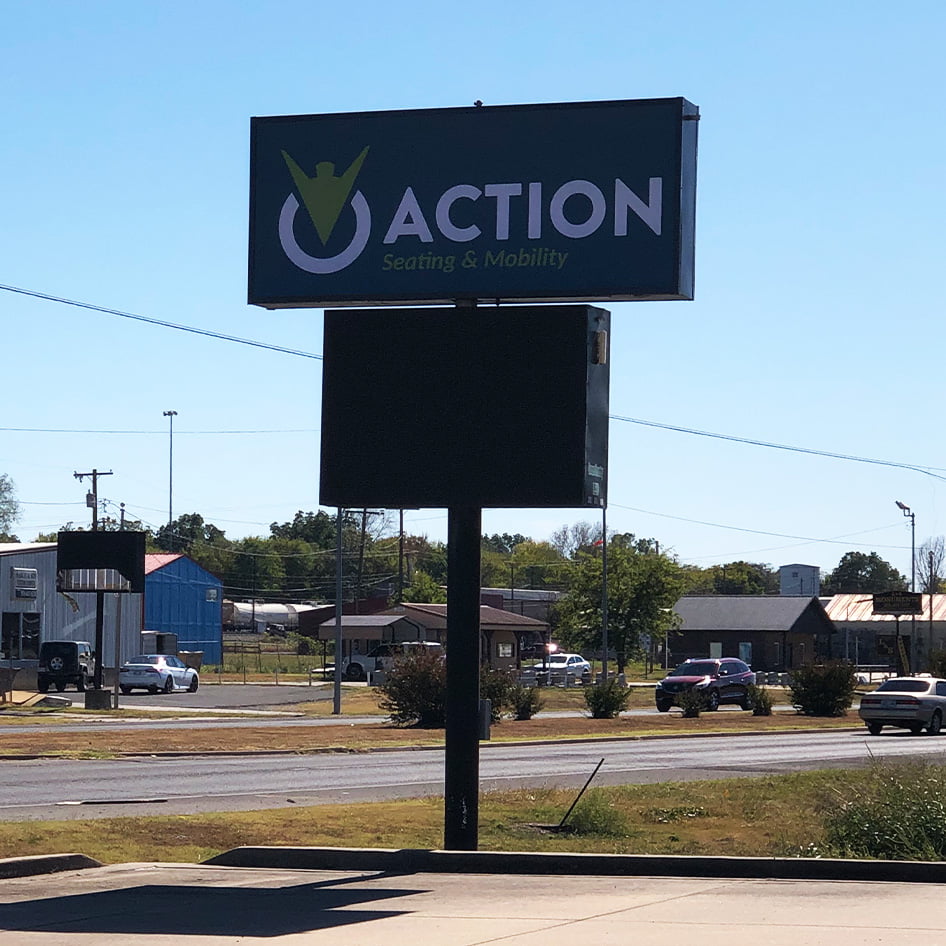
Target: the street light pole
(909, 514)
(170, 415)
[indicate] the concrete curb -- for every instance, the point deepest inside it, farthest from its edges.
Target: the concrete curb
(44, 864)
(626, 865)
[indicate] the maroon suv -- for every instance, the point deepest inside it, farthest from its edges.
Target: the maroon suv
(721, 680)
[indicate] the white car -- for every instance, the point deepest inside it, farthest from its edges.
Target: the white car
(157, 673)
(914, 703)
(561, 664)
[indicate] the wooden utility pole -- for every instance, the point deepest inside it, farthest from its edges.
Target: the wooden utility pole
(92, 499)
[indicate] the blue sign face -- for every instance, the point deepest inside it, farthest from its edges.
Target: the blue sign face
(540, 203)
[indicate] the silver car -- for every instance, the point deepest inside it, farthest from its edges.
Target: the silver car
(914, 703)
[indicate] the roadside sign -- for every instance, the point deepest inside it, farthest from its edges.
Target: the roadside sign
(579, 201)
(898, 602)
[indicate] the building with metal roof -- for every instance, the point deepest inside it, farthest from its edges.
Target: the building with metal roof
(180, 599)
(771, 633)
(870, 639)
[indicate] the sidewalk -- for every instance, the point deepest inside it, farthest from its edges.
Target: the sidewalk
(207, 905)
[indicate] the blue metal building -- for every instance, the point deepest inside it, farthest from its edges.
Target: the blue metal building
(184, 599)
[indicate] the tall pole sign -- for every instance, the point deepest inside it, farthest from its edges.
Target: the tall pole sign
(470, 407)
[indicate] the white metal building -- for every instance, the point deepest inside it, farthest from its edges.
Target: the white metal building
(33, 611)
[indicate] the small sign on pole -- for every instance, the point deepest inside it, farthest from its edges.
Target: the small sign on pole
(898, 602)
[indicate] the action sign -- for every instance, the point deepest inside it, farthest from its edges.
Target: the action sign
(540, 203)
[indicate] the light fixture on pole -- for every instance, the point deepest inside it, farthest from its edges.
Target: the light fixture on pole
(170, 415)
(909, 514)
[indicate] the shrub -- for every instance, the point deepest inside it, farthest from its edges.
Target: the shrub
(597, 814)
(415, 690)
(900, 815)
(692, 701)
(825, 689)
(606, 700)
(525, 701)
(937, 663)
(496, 686)
(761, 701)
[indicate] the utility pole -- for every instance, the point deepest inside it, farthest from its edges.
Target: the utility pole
(92, 499)
(170, 415)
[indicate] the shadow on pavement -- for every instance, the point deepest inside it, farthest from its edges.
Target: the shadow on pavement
(202, 911)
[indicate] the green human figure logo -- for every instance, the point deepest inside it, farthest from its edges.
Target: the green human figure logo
(325, 194)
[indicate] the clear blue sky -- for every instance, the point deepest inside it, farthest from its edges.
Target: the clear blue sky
(818, 314)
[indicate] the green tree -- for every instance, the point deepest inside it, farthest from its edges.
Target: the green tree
(642, 589)
(431, 557)
(423, 589)
(744, 578)
(536, 564)
(316, 528)
(255, 570)
(185, 531)
(503, 544)
(9, 508)
(299, 562)
(860, 573)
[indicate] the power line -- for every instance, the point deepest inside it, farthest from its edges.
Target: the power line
(837, 540)
(916, 468)
(202, 433)
(304, 354)
(143, 318)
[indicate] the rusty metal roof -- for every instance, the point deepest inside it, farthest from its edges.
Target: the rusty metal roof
(859, 607)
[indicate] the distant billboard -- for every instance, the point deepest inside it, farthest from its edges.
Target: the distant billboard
(540, 203)
(897, 602)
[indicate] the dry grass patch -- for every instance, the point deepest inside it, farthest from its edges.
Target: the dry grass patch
(763, 817)
(342, 736)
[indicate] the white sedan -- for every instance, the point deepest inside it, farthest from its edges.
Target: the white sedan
(559, 665)
(914, 703)
(157, 673)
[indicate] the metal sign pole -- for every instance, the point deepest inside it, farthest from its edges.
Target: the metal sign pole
(337, 675)
(461, 761)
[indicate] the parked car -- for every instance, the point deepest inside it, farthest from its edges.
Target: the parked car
(912, 703)
(65, 662)
(720, 680)
(359, 666)
(155, 673)
(563, 664)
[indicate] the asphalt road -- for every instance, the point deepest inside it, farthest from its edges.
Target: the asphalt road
(58, 789)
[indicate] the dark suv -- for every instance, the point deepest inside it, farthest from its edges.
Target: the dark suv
(65, 662)
(720, 680)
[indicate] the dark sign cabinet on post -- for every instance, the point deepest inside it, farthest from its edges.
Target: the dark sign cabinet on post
(479, 405)
(100, 562)
(487, 407)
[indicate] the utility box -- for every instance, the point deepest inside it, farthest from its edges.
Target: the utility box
(483, 407)
(156, 642)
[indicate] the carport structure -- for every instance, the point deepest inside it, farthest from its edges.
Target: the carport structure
(362, 632)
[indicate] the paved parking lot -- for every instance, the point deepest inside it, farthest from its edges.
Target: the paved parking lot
(231, 696)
